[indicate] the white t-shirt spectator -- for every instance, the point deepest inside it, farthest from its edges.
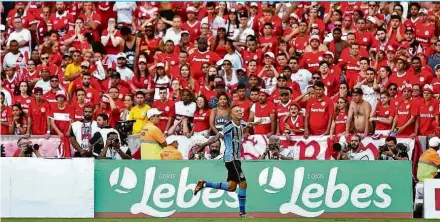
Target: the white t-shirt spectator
(217, 23)
(11, 60)
(235, 59)
(23, 35)
(161, 82)
(173, 35)
(8, 97)
(44, 85)
(187, 110)
(370, 95)
(126, 73)
(302, 77)
(243, 35)
(124, 11)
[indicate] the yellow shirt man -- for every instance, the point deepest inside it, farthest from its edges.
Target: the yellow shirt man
(171, 152)
(152, 138)
(140, 115)
(71, 69)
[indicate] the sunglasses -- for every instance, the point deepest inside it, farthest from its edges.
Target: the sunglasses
(227, 64)
(316, 78)
(44, 58)
(393, 89)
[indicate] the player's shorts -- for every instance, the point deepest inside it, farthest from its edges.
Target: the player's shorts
(235, 173)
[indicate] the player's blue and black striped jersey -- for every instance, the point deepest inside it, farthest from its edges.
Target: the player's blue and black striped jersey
(233, 139)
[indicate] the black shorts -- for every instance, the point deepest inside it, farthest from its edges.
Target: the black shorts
(235, 173)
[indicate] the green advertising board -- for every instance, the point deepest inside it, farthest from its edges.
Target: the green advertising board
(352, 189)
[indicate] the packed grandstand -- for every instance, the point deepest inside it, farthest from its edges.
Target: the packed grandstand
(70, 69)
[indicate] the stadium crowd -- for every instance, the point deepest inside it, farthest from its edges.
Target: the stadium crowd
(299, 68)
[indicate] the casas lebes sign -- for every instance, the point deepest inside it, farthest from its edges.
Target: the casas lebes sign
(360, 189)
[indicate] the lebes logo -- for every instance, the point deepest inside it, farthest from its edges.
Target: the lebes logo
(162, 199)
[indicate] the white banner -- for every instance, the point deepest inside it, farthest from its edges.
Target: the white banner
(313, 148)
(431, 195)
(50, 188)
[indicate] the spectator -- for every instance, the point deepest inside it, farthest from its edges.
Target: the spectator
(14, 56)
(219, 116)
(139, 112)
(128, 105)
(152, 137)
(201, 118)
(6, 113)
(22, 36)
(23, 95)
(319, 113)
(340, 118)
(383, 115)
(429, 162)
(171, 152)
(428, 113)
(358, 114)
(184, 113)
(39, 113)
(293, 122)
(108, 107)
(393, 150)
(81, 133)
(264, 112)
(406, 115)
(21, 122)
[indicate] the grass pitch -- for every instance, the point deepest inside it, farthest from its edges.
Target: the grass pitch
(209, 220)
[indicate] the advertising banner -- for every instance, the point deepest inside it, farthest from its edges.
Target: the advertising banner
(431, 196)
(332, 189)
(48, 147)
(313, 148)
(47, 188)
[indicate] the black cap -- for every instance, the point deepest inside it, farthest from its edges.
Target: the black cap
(115, 75)
(358, 91)
(282, 76)
(409, 29)
(243, 15)
(287, 68)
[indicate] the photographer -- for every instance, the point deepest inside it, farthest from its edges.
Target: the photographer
(273, 151)
(393, 150)
(27, 149)
(351, 151)
(113, 150)
(213, 154)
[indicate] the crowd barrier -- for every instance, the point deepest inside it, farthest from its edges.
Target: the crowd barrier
(105, 188)
(313, 148)
(431, 194)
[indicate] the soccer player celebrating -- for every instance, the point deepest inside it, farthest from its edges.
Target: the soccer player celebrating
(232, 134)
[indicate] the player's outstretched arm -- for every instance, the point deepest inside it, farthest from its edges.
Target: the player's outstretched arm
(209, 142)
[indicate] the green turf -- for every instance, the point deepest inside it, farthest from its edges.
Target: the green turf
(210, 219)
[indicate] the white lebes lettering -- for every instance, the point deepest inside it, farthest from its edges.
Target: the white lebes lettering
(164, 191)
(360, 196)
(386, 199)
(332, 187)
(357, 195)
(164, 194)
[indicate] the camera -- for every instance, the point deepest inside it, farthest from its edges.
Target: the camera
(341, 147)
(31, 148)
(383, 148)
(124, 129)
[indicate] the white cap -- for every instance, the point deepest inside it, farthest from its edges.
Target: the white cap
(434, 142)
(314, 37)
(160, 64)
(254, 4)
(153, 112)
(371, 19)
(121, 55)
(329, 53)
(191, 9)
(86, 64)
(142, 59)
(423, 11)
(270, 54)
